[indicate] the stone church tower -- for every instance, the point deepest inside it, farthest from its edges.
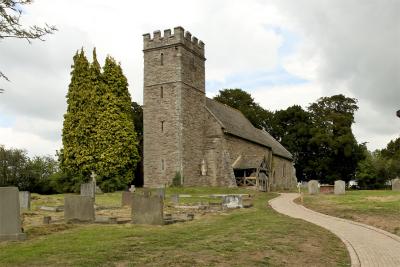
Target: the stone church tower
(174, 104)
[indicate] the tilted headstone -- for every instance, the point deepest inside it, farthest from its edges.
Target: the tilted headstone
(126, 199)
(78, 208)
(313, 188)
(10, 221)
(25, 200)
(88, 189)
(340, 187)
(147, 209)
(396, 184)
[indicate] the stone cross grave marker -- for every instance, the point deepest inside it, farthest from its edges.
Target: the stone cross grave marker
(340, 187)
(147, 209)
(313, 188)
(25, 200)
(396, 184)
(78, 208)
(10, 221)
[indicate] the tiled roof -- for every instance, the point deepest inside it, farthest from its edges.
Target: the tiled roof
(235, 123)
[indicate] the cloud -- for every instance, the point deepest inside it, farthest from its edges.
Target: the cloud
(283, 52)
(354, 46)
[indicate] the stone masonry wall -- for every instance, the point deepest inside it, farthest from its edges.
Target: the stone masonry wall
(283, 174)
(174, 107)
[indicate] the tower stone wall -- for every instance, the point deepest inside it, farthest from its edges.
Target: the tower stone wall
(173, 105)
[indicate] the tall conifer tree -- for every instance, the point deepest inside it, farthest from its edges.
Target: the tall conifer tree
(98, 133)
(77, 157)
(115, 134)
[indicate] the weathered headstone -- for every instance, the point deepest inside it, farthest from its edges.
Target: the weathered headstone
(340, 187)
(88, 189)
(396, 184)
(232, 201)
(175, 199)
(78, 208)
(25, 200)
(126, 199)
(313, 188)
(10, 221)
(132, 188)
(147, 209)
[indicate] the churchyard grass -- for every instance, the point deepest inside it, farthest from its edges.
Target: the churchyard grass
(379, 208)
(257, 236)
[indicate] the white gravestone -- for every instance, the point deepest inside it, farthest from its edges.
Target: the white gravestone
(340, 187)
(313, 187)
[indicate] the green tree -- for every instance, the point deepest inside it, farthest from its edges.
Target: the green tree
(78, 152)
(137, 114)
(98, 133)
(335, 150)
(292, 128)
(241, 100)
(115, 134)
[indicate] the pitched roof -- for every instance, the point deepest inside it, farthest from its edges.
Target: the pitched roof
(235, 123)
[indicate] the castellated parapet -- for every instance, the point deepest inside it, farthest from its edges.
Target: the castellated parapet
(178, 37)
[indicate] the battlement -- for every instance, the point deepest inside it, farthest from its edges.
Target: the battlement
(178, 37)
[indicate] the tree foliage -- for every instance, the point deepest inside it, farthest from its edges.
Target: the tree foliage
(31, 174)
(320, 138)
(241, 100)
(98, 132)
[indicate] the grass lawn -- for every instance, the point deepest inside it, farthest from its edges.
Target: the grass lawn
(257, 236)
(379, 208)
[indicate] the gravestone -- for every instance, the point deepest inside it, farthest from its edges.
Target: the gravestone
(175, 199)
(78, 208)
(10, 221)
(88, 189)
(232, 201)
(25, 200)
(126, 199)
(396, 184)
(340, 187)
(147, 209)
(313, 188)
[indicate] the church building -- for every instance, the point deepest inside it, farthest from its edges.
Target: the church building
(193, 140)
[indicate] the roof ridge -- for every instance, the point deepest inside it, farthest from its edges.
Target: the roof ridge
(235, 109)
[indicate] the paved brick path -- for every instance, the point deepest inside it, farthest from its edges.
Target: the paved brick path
(367, 245)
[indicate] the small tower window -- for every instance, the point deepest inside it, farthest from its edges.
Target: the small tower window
(162, 59)
(162, 165)
(162, 126)
(193, 66)
(162, 92)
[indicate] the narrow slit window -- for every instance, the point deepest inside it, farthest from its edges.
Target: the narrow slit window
(162, 92)
(162, 165)
(162, 126)
(162, 59)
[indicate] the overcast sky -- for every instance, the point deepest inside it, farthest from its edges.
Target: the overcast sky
(282, 52)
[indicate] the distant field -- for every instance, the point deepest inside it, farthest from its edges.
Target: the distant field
(379, 208)
(256, 236)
